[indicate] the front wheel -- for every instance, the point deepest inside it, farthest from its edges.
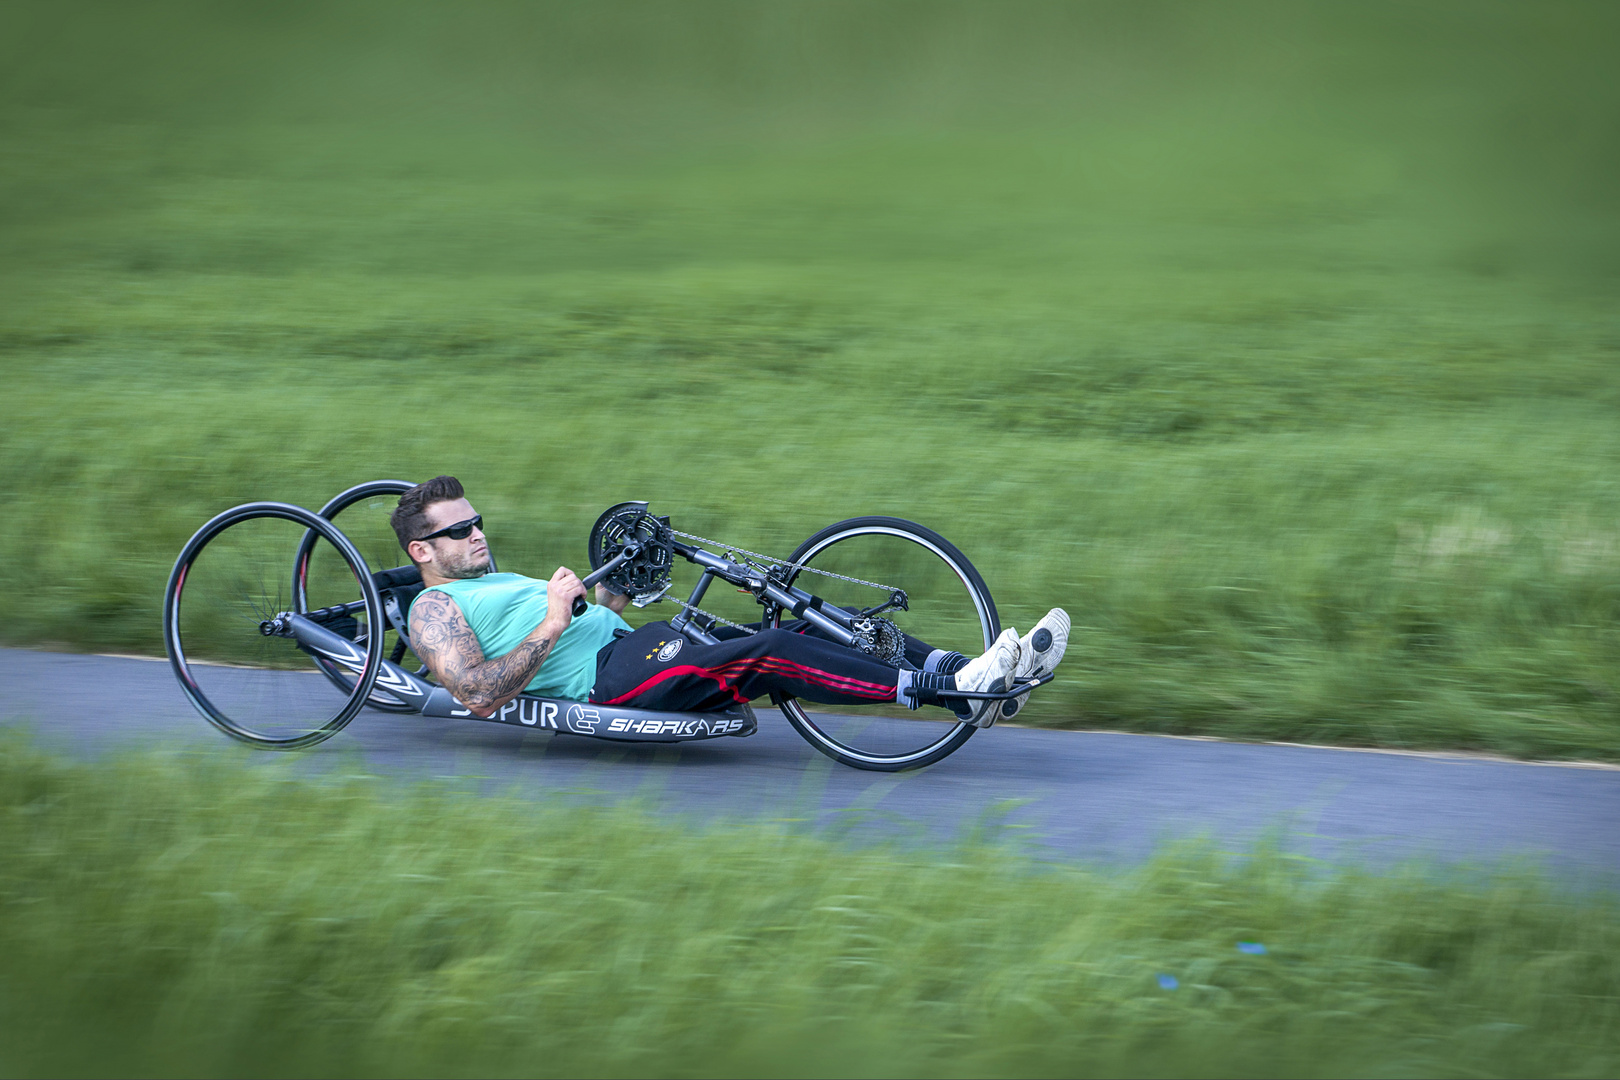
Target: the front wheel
(856, 564)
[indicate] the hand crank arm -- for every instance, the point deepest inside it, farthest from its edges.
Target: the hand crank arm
(629, 552)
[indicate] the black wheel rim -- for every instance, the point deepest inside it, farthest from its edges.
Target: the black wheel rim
(232, 575)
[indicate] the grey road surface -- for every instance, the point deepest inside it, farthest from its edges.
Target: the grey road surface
(1098, 796)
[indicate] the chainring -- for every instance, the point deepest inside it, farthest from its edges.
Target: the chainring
(645, 576)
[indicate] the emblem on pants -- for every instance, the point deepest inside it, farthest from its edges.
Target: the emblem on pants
(670, 650)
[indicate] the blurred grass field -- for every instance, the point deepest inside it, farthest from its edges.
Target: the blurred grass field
(195, 915)
(1277, 343)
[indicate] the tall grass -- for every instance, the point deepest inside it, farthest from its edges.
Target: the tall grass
(1276, 343)
(193, 915)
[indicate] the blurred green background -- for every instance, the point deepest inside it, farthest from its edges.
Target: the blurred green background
(1277, 342)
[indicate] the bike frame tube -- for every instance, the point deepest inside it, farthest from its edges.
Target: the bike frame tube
(682, 622)
(829, 619)
(800, 606)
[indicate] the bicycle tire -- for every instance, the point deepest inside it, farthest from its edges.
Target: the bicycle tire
(339, 676)
(841, 748)
(194, 673)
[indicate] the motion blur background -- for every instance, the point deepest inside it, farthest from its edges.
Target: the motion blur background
(1277, 342)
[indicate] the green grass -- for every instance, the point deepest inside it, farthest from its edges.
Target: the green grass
(197, 915)
(1278, 345)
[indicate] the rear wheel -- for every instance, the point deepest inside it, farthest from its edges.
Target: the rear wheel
(363, 512)
(231, 577)
(947, 605)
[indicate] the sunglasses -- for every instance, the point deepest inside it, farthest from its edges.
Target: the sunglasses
(459, 531)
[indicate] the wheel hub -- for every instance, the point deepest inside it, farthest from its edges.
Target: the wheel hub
(277, 626)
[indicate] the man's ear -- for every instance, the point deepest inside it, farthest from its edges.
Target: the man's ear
(420, 551)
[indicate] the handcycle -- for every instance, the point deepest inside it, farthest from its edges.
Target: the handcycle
(283, 654)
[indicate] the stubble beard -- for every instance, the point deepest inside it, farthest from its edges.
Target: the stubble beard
(472, 566)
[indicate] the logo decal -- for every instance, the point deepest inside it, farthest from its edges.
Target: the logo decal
(659, 726)
(670, 650)
(582, 720)
(529, 712)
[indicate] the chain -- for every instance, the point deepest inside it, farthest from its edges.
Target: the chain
(733, 549)
(694, 609)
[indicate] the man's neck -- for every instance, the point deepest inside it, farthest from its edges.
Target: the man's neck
(431, 577)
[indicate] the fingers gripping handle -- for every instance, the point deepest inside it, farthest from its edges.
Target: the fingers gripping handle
(629, 552)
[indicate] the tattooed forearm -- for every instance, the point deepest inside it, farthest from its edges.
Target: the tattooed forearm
(485, 687)
(450, 649)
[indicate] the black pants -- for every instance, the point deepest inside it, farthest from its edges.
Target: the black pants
(657, 668)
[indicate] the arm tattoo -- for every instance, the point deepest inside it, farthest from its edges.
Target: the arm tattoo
(447, 645)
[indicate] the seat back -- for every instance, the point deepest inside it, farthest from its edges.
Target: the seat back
(398, 587)
(397, 577)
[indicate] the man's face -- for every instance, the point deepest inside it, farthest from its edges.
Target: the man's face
(451, 558)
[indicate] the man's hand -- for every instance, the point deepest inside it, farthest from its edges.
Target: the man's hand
(560, 592)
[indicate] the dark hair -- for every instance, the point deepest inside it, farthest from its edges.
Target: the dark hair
(409, 518)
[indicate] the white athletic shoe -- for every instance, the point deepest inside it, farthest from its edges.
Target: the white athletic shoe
(1038, 653)
(988, 673)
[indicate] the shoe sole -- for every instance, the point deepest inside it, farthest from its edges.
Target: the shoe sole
(1040, 643)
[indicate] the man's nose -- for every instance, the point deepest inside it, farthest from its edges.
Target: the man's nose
(477, 533)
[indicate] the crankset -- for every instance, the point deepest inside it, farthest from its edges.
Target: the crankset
(642, 546)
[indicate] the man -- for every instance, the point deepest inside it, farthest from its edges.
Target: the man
(488, 637)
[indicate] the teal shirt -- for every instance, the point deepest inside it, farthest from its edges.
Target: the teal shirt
(503, 609)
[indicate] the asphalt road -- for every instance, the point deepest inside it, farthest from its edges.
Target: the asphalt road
(1100, 796)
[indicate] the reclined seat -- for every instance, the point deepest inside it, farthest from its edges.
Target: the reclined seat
(398, 587)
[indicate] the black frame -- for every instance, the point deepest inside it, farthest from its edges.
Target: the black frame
(613, 722)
